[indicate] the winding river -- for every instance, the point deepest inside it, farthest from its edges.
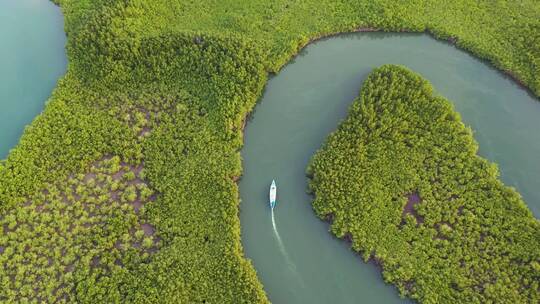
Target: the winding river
(299, 261)
(296, 258)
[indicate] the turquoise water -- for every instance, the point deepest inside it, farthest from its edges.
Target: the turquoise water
(32, 58)
(296, 258)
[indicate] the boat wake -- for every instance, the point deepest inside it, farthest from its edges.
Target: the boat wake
(291, 265)
(281, 246)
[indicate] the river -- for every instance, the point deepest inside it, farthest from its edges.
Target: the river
(296, 258)
(299, 261)
(32, 58)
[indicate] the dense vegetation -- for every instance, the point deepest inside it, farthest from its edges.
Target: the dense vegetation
(82, 228)
(401, 179)
(166, 85)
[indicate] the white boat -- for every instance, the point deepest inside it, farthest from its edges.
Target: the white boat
(273, 193)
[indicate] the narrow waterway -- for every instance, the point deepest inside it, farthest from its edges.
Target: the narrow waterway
(295, 256)
(32, 58)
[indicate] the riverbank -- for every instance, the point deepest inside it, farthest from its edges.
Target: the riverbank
(300, 108)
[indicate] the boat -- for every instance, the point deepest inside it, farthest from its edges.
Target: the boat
(273, 190)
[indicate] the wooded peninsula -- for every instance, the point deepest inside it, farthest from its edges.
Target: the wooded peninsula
(402, 181)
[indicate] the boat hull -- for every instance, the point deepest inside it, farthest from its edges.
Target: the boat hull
(272, 195)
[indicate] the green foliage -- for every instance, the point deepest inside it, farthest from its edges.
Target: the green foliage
(165, 86)
(401, 177)
(504, 32)
(71, 229)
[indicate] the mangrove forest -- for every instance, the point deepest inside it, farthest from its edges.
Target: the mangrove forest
(124, 189)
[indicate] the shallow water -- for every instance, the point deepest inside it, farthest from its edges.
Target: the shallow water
(32, 58)
(306, 101)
